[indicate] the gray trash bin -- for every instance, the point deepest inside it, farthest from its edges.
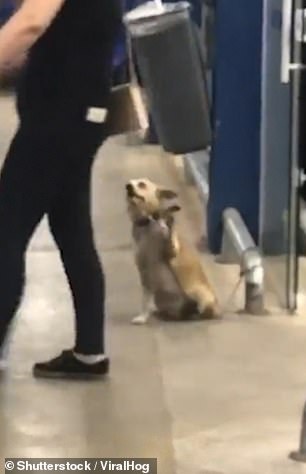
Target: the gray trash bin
(172, 70)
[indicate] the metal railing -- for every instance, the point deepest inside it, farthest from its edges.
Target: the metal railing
(238, 245)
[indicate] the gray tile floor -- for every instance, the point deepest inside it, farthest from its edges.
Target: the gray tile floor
(215, 398)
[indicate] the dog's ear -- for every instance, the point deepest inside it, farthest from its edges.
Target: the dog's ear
(166, 194)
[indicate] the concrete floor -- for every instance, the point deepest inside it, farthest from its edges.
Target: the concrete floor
(204, 398)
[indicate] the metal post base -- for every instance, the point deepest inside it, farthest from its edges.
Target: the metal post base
(300, 455)
(254, 302)
(252, 269)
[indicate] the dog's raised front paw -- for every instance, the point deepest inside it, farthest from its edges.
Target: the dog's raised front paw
(140, 319)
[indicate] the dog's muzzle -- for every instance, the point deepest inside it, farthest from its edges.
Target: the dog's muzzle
(131, 193)
(130, 190)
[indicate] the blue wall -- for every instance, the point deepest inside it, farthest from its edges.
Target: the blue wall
(235, 162)
(6, 9)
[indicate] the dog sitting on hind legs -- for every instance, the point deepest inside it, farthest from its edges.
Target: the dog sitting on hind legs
(173, 281)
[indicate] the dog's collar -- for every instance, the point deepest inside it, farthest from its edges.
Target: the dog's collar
(142, 222)
(145, 220)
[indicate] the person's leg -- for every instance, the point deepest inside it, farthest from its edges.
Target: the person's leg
(27, 181)
(151, 137)
(71, 226)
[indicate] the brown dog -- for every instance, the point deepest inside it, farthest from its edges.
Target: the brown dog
(173, 281)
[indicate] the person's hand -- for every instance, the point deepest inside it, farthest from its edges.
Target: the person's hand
(11, 68)
(15, 64)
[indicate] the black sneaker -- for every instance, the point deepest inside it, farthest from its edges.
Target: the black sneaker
(67, 366)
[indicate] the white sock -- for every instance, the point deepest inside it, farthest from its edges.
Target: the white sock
(90, 359)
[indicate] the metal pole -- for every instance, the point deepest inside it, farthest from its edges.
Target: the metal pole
(238, 244)
(250, 258)
(300, 455)
(252, 268)
(197, 174)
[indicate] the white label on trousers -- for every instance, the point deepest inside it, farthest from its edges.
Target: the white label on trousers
(96, 115)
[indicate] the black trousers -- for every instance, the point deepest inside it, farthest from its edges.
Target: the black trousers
(47, 171)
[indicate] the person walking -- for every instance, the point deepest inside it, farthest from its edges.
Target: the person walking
(62, 100)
